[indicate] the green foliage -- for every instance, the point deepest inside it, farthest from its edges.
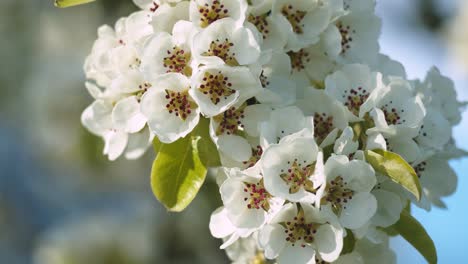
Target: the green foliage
(207, 149)
(395, 167)
(69, 3)
(348, 242)
(179, 169)
(413, 232)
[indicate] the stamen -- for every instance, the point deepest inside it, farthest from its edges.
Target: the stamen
(216, 86)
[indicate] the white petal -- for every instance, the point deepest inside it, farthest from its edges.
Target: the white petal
(138, 143)
(93, 90)
(329, 242)
(220, 226)
(236, 147)
(358, 210)
(254, 115)
(127, 116)
(115, 143)
(97, 117)
(389, 207)
(296, 254)
(272, 239)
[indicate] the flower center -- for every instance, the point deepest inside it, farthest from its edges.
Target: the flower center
(260, 23)
(354, 98)
(258, 196)
(392, 115)
(337, 194)
(222, 49)
(216, 86)
(179, 104)
(346, 36)
(230, 121)
(297, 229)
(264, 80)
(256, 154)
(143, 88)
(135, 64)
(299, 59)
(297, 176)
(323, 125)
(294, 17)
(420, 168)
(177, 60)
(210, 13)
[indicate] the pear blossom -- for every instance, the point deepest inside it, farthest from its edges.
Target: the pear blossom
(283, 122)
(204, 12)
(97, 118)
(303, 21)
(354, 85)
(225, 42)
(247, 203)
(293, 169)
(437, 180)
(166, 53)
(347, 191)
(218, 87)
(278, 87)
(170, 110)
(165, 15)
(396, 111)
(232, 129)
(442, 95)
(329, 115)
(274, 38)
(296, 93)
(298, 235)
(221, 227)
(359, 30)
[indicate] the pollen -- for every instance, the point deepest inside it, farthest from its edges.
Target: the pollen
(294, 17)
(298, 231)
(211, 13)
(256, 154)
(216, 86)
(393, 115)
(230, 122)
(346, 33)
(177, 60)
(258, 197)
(179, 104)
(338, 194)
(260, 23)
(222, 49)
(297, 177)
(299, 59)
(354, 98)
(420, 168)
(264, 80)
(323, 125)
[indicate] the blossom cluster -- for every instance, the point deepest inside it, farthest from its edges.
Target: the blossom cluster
(296, 92)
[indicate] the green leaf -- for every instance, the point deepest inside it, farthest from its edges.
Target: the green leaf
(178, 173)
(413, 232)
(348, 242)
(69, 3)
(206, 148)
(395, 167)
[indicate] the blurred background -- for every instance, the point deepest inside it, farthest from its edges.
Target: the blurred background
(62, 202)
